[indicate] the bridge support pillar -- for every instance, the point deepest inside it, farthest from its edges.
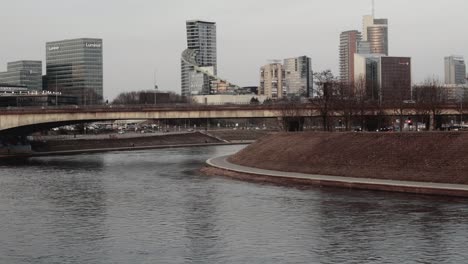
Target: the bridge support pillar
(293, 124)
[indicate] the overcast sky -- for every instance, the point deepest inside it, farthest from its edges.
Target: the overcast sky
(141, 36)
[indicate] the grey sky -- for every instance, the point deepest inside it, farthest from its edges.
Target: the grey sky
(143, 35)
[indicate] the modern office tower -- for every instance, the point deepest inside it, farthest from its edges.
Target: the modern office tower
(375, 31)
(455, 70)
(366, 75)
(25, 73)
(383, 78)
(395, 79)
(349, 45)
(298, 76)
(272, 81)
(75, 68)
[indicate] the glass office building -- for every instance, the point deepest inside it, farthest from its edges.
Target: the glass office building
(298, 76)
(75, 68)
(25, 73)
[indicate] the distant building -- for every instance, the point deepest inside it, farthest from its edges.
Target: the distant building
(383, 78)
(298, 77)
(455, 70)
(12, 88)
(248, 90)
(395, 79)
(364, 47)
(456, 92)
(75, 68)
(272, 81)
(366, 75)
(375, 31)
(35, 98)
(199, 68)
(25, 72)
(349, 45)
(222, 99)
(201, 52)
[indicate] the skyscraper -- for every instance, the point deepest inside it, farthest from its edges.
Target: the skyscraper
(26, 73)
(375, 31)
(298, 76)
(455, 70)
(200, 52)
(349, 45)
(75, 67)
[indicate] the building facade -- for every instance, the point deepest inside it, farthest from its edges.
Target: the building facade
(375, 32)
(25, 73)
(383, 78)
(455, 70)
(200, 52)
(366, 75)
(298, 77)
(395, 79)
(349, 45)
(272, 81)
(75, 68)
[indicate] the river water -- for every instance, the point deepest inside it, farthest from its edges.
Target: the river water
(154, 206)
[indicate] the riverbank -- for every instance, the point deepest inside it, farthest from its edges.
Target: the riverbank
(386, 160)
(124, 142)
(68, 145)
(220, 166)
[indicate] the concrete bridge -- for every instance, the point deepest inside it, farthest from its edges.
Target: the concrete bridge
(22, 121)
(26, 120)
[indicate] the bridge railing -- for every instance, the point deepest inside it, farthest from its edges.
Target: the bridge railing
(191, 106)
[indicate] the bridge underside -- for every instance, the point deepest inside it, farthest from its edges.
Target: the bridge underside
(29, 129)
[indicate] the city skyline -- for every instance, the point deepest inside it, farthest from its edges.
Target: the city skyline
(141, 38)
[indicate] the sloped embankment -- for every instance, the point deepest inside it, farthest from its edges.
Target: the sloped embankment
(427, 157)
(157, 140)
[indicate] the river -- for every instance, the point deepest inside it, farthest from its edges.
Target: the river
(154, 206)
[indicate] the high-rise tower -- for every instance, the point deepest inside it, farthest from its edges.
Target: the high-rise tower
(349, 45)
(455, 70)
(375, 32)
(75, 67)
(201, 51)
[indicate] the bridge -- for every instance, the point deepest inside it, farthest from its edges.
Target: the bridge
(23, 121)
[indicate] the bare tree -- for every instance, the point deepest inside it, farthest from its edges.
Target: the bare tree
(361, 100)
(127, 98)
(431, 98)
(292, 114)
(323, 100)
(148, 97)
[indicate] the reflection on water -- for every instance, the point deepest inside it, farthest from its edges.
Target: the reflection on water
(154, 207)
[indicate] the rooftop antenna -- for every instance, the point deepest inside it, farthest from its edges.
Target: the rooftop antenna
(373, 8)
(154, 81)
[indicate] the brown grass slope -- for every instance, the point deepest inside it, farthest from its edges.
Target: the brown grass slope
(428, 157)
(157, 140)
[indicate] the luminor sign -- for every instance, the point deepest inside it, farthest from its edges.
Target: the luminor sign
(93, 45)
(52, 48)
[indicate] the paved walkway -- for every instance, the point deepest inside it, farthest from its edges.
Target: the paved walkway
(222, 163)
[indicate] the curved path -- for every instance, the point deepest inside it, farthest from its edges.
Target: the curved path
(347, 182)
